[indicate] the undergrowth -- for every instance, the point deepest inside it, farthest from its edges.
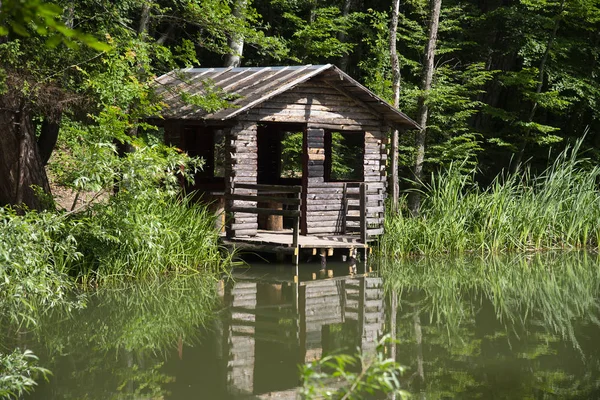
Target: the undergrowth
(46, 256)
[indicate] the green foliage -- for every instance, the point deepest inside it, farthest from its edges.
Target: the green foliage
(90, 160)
(217, 23)
(35, 252)
(210, 99)
(95, 166)
(454, 99)
(557, 209)
(358, 376)
(18, 372)
(44, 18)
(318, 38)
(291, 155)
(376, 65)
(345, 165)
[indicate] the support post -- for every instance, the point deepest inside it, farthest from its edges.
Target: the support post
(296, 234)
(345, 210)
(352, 265)
(363, 212)
(228, 206)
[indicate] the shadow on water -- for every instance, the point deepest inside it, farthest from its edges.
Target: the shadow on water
(512, 327)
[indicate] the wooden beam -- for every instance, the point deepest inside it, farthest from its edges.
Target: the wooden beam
(274, 199)
(265, 211)
(269, 188)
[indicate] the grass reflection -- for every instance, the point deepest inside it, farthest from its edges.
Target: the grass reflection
(116, 346)
(519, 326)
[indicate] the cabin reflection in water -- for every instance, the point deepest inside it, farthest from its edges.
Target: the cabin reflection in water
(273, 327)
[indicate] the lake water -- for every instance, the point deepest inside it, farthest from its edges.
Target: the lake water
(523, 326)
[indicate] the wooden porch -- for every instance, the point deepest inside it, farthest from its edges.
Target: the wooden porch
(360, 220)
(283, 242)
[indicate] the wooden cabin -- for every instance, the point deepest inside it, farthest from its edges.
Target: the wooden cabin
(297, 157)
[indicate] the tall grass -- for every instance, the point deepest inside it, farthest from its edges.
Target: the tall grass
(33, 280)
(559, 208)
(33, 263)
(145, 237)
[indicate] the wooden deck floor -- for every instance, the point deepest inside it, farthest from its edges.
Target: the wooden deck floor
(281, 241)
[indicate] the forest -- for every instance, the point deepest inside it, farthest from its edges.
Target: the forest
(506, 93)
(513, 82)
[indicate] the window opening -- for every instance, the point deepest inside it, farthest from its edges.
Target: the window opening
(291, 154)
(344, 155)
(208, 144)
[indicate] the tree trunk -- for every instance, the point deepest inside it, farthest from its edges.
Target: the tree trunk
(236, 41)
(518, 157)
(144, 18)
(21, 167)
(345, 59)
(428, 69)
(394, 185)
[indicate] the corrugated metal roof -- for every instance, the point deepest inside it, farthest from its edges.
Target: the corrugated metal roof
(251, 86)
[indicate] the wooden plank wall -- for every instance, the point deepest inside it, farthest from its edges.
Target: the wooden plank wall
(324, 207)
(317, 103)
(241, 167)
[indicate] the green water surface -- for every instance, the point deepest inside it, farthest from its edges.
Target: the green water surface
(515, 327)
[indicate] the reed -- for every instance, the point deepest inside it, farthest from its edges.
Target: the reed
(147, 237)
(559, 208)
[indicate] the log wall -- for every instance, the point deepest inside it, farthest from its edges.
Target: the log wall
(241, 166)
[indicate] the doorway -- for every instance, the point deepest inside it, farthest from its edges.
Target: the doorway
(280, 162)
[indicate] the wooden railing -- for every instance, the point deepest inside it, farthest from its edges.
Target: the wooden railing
(266, 194)
(363, 209)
